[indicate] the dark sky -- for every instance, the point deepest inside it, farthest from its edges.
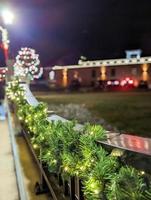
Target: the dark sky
(63, 30)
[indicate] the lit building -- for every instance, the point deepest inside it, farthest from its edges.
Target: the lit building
(133, 67)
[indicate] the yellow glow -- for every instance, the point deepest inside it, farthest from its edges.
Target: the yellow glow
(65, 78)
(66, 169)
(35, 146)
(145, 75)
(45, 110)
(96, 191)
(54, 161)
(103, 72)
(42, 138)
(93, 185)
(142, 172)
(117, 152)
(91, 133)
(20, 118)
(82, 168)
(77, 173)
(145, 67)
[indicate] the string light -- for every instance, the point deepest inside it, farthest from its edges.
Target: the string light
(35, 146)
(15, 92)
(66, 169)
(95, 181)
(27, 64)
(142, 172)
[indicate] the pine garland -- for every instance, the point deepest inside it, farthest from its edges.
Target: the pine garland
(75, 153)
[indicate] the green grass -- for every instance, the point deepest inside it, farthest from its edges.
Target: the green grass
(128, 111)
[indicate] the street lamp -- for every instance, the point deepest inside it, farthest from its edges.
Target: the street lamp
(8, 18)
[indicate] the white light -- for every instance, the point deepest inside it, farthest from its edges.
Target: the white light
(7, 16)
(51, 75)
(130, 81)
(116, 83)
(123, 82)
(109, 83)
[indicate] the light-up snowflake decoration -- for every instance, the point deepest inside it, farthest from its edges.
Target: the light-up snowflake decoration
(27, 64)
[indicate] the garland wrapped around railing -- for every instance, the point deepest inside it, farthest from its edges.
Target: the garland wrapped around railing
(72, 152)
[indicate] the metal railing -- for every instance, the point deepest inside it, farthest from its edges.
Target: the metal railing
(19, 176)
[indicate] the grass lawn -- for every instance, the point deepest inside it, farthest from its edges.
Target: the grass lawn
(128, 111)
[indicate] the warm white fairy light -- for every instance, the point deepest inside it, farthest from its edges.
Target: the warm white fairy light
(27, 64)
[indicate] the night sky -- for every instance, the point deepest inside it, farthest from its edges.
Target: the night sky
(63, 30)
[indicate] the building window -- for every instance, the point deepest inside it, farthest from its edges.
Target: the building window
(134, 56)
(113, 72)
(93, 73)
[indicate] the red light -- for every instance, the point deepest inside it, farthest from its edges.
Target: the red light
(5, 46)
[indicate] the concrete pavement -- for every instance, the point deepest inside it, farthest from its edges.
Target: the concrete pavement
(8, 183)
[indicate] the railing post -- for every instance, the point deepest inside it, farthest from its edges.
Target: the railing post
(72, 188)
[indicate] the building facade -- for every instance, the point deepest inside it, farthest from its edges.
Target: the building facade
(88, 73)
